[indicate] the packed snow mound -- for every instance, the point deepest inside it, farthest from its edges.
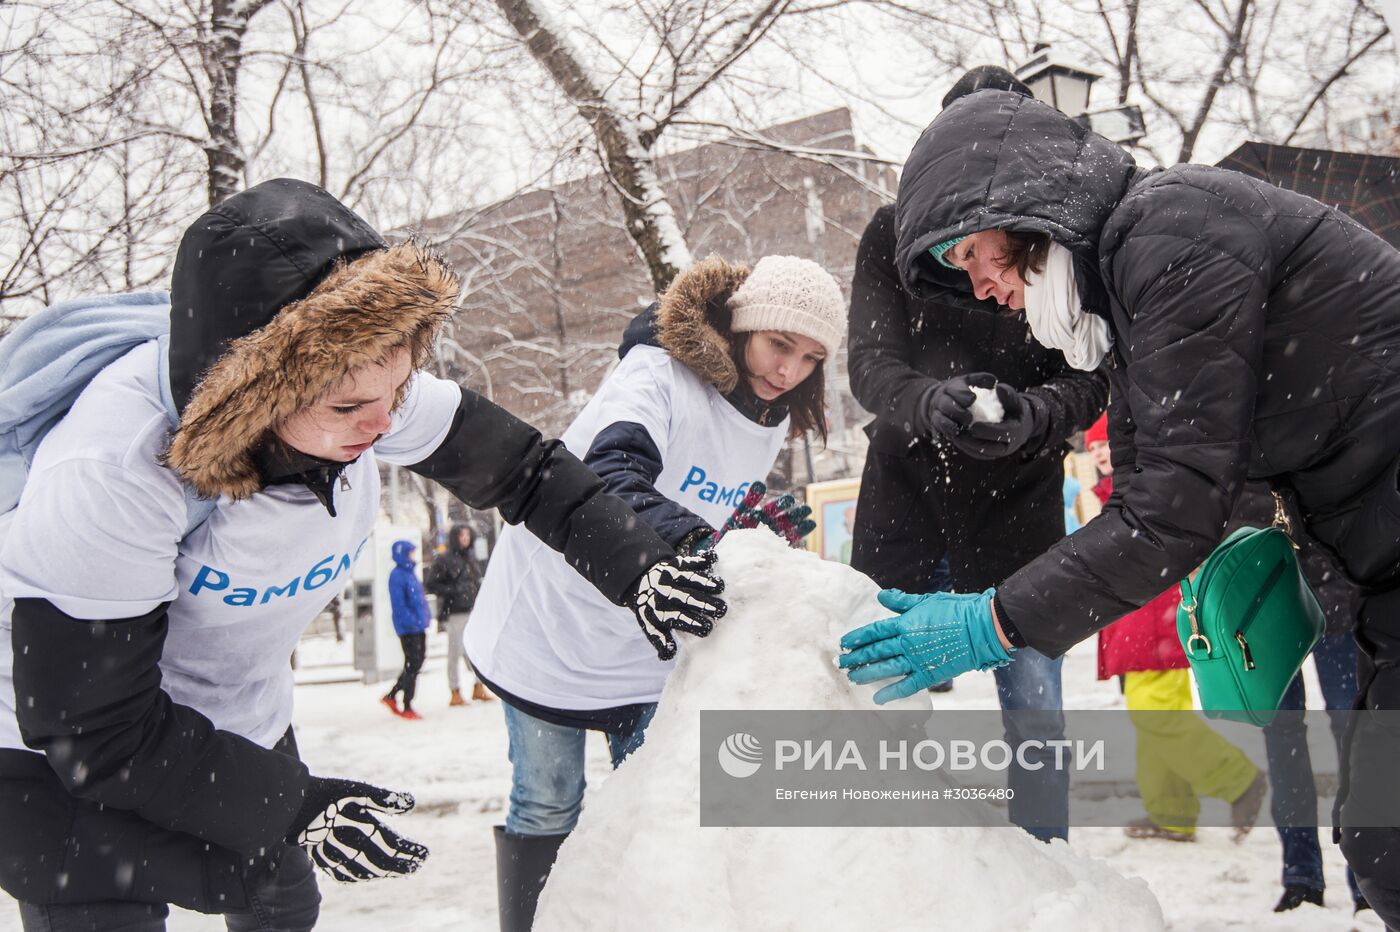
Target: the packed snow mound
(986, 406)
(639, 859)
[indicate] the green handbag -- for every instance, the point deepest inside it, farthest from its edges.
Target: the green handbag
(1247, 623)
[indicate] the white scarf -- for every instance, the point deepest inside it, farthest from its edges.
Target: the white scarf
(1056, 317)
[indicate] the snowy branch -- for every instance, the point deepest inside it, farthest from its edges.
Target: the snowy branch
(757, 27)
(650, 221)
(58, 155)
(1332, 79)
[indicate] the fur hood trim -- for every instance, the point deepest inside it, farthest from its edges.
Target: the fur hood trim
(399, 296)
(692, 320)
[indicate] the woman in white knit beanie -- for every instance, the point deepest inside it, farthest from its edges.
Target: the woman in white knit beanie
(713, 378)
(788, 317)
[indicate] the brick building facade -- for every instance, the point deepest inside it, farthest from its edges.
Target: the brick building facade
(551, 279)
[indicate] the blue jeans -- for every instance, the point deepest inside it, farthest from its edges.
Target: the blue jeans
(287, 901)
(546, 792)
(941, 581)
(1294, 799)
(1030, 687)
(1030, 683)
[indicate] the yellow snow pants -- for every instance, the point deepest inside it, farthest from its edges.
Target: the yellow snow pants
(1179, 757)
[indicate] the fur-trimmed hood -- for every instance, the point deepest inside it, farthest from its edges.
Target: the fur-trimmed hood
(691, 321)
(351, 300)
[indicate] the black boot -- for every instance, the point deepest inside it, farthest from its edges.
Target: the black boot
(523, 863)
(1295, 895)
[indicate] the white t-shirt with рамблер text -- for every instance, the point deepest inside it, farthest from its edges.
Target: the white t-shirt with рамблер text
(97, 533)
(539, 630)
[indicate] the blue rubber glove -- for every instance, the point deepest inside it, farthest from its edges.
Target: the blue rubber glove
(933, 638)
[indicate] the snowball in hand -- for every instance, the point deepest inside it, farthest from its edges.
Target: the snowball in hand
(986, 408)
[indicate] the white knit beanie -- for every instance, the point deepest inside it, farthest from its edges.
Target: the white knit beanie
(791, 294)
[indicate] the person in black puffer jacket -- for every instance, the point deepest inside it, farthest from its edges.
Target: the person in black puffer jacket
(1251, 333)
(934, 490)
(455, 578)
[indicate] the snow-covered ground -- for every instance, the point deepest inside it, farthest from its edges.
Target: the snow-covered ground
(454, 761)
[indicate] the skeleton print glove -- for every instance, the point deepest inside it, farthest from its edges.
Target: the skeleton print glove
(679, 594)
(339, 826)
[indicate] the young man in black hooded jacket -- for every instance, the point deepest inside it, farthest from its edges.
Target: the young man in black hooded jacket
(146, 754)
(987, 500)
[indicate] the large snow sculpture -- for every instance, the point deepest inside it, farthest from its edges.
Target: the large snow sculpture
(639, 859)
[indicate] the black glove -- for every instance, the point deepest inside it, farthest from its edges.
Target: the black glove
(339, 828)
(679, 594)
(1021, 429)
(947, 407)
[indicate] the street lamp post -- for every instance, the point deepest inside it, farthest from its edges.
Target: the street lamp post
(1060, 82)
(1066, 85)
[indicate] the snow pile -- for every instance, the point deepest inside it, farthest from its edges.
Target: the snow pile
(986, 408)
(639, 859)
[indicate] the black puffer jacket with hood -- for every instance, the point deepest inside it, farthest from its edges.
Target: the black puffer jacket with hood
(901, 347)
(1256, 335)
(455, 576)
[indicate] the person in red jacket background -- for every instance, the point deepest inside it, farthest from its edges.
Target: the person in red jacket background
(1179, 757)
(1145, 639)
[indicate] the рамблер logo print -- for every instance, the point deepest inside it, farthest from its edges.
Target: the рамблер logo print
(741, 755)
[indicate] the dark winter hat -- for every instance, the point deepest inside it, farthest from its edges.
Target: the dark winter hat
(983, 77)
(278, 294)
(246, 259)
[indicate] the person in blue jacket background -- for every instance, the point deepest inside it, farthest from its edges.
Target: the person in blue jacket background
(411, 617)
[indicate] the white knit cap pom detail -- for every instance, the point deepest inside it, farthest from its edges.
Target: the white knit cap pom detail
(793, 295)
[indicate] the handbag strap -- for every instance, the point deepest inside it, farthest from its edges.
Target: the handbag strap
(1281, 519)
(1189, 605)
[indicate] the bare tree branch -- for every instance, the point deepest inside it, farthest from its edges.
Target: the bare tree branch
(757, 27)
(1217, 81)
(1332, 79)
(59, 155)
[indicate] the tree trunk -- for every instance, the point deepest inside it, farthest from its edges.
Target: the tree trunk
(556, 293)
(223, 56)
(650, 221)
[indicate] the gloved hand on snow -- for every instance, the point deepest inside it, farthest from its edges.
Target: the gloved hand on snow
(339, 827)
(781, 515)
(679, 594)
(933, 638)
(1022, 427)
(947, 407)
